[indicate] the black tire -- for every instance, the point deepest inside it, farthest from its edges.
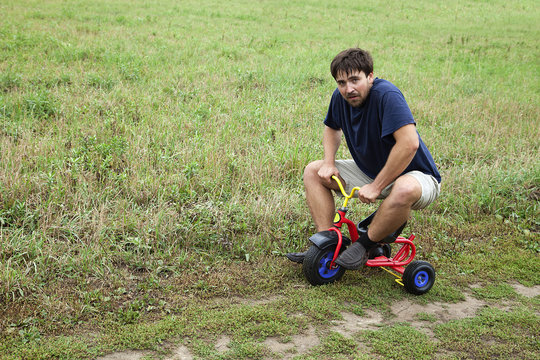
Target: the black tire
(418, 277)
(316, 266)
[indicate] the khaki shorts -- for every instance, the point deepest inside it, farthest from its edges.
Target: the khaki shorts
(353, 177)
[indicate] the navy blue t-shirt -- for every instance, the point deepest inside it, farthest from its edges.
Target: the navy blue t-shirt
(368, 129)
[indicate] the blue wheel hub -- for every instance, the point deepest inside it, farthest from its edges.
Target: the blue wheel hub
(324, 266)
(421, 279)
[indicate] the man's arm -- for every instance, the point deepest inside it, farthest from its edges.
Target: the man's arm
(400, 157)
(331, 141)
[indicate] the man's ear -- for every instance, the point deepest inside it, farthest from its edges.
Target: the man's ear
(370, 77)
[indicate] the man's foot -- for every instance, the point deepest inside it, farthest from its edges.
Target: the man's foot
(354, 257)
(297, 257)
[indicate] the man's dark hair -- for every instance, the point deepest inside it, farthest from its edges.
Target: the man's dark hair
(351, 60)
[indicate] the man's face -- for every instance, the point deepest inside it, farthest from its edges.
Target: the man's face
(354, 87)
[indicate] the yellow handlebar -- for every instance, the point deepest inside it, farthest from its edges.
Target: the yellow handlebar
(347, 197)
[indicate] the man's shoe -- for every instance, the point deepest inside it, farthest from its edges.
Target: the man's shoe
(297, 257)
(354, 257)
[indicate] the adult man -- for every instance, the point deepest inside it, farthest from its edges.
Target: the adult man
(390, 161)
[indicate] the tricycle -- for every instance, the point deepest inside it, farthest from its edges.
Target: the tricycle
(319, 267)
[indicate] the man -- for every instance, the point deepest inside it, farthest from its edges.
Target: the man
(389, 160)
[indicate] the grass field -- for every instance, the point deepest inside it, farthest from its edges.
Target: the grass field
(151, 174)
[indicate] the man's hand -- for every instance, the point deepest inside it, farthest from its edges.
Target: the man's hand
(368, 193)
(400, 157)
(326, 171)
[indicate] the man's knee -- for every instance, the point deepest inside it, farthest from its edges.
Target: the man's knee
(406, 191)
(311, 172)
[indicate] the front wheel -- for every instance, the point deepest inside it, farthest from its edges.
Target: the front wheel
(418, 277)
(317, 268)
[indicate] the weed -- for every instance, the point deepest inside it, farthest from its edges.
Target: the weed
(400, 341)
(41, 105)
(426, 317)
(495, 292)
(100, 82)
(10, 82)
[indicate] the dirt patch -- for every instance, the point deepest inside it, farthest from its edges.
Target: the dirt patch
(406, 311)
(182, 353)
(278, 347)
(222, 344)
(300, 344)
(124, 355)
(352, 323)
(526, 291)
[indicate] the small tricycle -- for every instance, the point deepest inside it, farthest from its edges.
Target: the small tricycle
(319, 263)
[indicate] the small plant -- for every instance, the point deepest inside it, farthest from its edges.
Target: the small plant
(100, 82)
(41, 105)
(10, 81)
(426, 317)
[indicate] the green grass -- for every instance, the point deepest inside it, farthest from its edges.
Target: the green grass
(152, 155)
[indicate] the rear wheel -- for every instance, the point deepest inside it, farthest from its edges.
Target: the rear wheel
(418, 277)
(316, 266)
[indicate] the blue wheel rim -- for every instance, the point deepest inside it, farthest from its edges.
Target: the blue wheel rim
(324, 266)
(421, 279)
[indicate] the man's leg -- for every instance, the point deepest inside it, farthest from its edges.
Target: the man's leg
(320, 201)
(396, 208)
(319, 196)
(392, 213)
